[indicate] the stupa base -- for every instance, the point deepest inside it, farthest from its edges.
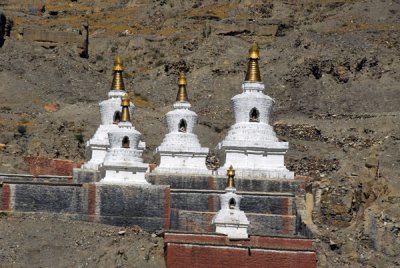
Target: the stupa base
(259, 173)
(124, 178)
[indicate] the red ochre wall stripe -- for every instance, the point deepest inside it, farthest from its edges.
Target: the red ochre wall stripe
(189, 255)
(211, 183)
(92, 202)
(167, 208)
(6, 198)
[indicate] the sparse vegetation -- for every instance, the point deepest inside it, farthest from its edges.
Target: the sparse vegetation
(21, 129)
(99, 58)
(79, 137)
(6, 108)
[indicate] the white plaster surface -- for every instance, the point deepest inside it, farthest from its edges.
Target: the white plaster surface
(251, 146)
(111, 105)
(97, 146)
(230, 220)
(181, 152)
(97, 154)
(124, 177)
(124, 165)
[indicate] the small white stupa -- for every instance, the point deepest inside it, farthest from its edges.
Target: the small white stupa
(180, 151)
(110, 111)
(123, 163)
(230, 220)
(251, 144)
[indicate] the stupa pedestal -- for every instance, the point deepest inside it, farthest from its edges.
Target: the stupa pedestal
(251, 144)
(180, 151)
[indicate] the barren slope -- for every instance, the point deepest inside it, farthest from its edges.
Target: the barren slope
(331, 66)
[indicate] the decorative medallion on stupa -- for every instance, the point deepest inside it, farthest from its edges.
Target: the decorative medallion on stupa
(110, 112)
(251, 145)
(180, 151)
(123, 162)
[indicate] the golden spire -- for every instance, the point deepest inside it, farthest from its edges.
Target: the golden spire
(125, 117)
(182, 94)
(231, 177)
(118, 81)
(253, 71)
(118, 64)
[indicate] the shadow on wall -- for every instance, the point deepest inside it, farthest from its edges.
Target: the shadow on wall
(6, 25)
(2, 29)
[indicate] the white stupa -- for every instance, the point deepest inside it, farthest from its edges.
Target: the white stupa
(180, 151)
(110, 111)
(251, 145)
(230, 220)
(123, 162)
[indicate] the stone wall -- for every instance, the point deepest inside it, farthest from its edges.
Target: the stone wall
(43, 35)
(207, 250)
(51, 38)
(28, 178)
(219, 182)
(192, 255)
(195, 221)
(65, 199)
(146, 206)
(85, 176)
(269, 213)
(208, 200)
(189, 204)
(46, 166)
(127, 205)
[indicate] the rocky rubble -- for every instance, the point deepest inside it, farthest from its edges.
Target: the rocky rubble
(314, 167)
(298, 132)
(48, 241)
(356, 230)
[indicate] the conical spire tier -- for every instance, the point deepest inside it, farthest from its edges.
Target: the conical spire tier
(182, 93)
(253, 70)
(118, 81)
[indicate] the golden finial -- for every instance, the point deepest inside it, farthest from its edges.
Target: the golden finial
(118, 81)
(182, 94)
(231, 177)
(118, 65)
(125, 117)
(254, 53)
(253, 71)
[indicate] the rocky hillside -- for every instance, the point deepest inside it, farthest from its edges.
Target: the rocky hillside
(40, 241)
(331, 66)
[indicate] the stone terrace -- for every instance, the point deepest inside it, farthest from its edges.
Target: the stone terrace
(176, 204)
